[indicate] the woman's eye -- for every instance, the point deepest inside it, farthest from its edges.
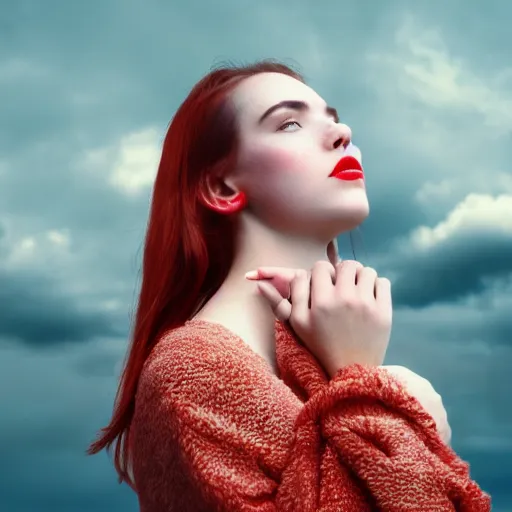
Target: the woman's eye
(284, 126)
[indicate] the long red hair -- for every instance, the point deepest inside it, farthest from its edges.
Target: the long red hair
(189, 249)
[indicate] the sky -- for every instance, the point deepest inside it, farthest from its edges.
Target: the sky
(87, 90)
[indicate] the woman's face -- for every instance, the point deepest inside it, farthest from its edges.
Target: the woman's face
(286, 156)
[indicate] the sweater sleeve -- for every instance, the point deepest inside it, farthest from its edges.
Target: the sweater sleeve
(203, 417)
(358, 444)
(371, 426)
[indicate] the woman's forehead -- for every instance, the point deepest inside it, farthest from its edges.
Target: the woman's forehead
(258, 93)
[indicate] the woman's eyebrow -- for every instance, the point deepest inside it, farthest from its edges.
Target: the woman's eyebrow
(300, 106)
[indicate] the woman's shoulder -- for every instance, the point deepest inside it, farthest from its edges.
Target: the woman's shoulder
(202, 366)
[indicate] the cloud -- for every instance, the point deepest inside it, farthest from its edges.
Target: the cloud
(425, 71)
(434, 194)
(52, 243)
(130, 165)
(436, 126)
(444, 116)
(56, 405)
(35, 311)
(39, 307)
(458, 256)
(477, 215)
(457, 347)
(78, 156)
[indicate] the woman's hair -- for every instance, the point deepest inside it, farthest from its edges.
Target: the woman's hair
(189, 249)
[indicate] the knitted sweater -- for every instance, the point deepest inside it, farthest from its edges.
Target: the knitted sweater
(215, 429)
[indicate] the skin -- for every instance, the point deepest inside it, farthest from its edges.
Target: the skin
(294, 212)
(294, 208)
(290, 156)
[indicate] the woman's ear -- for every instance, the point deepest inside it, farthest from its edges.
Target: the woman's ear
(216, 195)
(332, 252)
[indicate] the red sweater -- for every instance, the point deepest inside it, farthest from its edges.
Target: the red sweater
(216, 430)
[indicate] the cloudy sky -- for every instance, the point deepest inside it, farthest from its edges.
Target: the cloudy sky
(87, 90)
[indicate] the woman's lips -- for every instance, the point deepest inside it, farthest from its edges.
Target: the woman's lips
(348, 168)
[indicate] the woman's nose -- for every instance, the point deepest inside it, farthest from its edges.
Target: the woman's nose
(341, 136)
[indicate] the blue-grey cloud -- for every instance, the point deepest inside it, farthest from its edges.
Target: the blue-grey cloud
(35, 312)
(89, 91)
(453, 270)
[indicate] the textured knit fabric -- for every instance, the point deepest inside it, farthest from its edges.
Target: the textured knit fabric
(216, 430)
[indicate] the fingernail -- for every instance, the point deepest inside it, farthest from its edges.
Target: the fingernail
(252, 274)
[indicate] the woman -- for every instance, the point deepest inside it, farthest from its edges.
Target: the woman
(222, 407)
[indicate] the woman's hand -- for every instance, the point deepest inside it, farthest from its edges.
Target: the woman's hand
(426, 395)
(276, 289)
(342, 314)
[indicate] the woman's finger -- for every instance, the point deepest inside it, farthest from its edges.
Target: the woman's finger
(279, 277)
(383, 292)
(346, 275)
(300, 296)
(270, 272)
(367, 282)
(281, 307)
(323, 277)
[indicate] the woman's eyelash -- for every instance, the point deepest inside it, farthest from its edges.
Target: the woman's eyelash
(288, 123)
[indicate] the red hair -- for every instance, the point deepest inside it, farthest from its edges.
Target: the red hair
(189, 249)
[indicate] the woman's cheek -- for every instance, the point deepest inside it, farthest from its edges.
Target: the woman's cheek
(274, 162)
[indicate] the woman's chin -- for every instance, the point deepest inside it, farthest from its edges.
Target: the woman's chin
(352, 218)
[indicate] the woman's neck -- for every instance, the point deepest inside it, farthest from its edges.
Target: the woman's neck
(238, 306)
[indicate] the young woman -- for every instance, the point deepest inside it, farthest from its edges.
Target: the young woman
(223, 407)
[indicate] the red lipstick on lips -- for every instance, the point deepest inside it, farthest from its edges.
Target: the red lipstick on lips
(348, 169)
